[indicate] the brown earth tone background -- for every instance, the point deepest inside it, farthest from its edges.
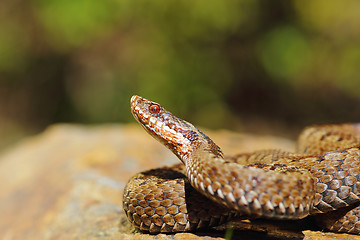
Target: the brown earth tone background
(67, 183)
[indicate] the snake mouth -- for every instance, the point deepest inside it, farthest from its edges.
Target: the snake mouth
(133, 101)
(171, 131)
(136, 102)
(133, 98)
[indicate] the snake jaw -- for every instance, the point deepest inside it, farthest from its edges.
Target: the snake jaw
(178, 135)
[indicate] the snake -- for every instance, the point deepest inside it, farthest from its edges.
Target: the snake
(321, 178)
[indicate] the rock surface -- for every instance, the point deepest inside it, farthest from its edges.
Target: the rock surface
(67, 183)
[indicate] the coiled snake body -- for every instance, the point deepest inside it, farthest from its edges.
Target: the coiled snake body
(208, 189)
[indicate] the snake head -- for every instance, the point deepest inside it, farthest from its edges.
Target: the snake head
(181, 137)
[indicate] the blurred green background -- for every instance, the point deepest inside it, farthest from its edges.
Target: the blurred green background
(247, 65)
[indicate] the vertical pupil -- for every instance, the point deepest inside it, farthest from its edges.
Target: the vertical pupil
(154, 109)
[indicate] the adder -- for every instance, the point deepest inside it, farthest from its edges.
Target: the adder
(208, 189)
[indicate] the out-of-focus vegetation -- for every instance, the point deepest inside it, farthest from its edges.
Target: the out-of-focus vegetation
(241, 64)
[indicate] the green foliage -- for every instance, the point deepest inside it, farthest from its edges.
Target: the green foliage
(12, 47)
(74, 23)
(208, 61)
(349, 70)
(285, 53)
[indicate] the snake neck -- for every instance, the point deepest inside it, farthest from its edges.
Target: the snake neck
(249, 190)
(178, 135)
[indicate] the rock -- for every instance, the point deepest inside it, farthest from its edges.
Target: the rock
(67, 182)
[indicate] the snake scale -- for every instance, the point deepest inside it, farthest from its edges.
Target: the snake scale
(208, 189)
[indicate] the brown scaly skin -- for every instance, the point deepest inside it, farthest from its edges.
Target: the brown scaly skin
(265, 184)
(162, 200)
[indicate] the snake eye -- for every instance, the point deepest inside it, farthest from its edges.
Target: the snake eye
(154, 108)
